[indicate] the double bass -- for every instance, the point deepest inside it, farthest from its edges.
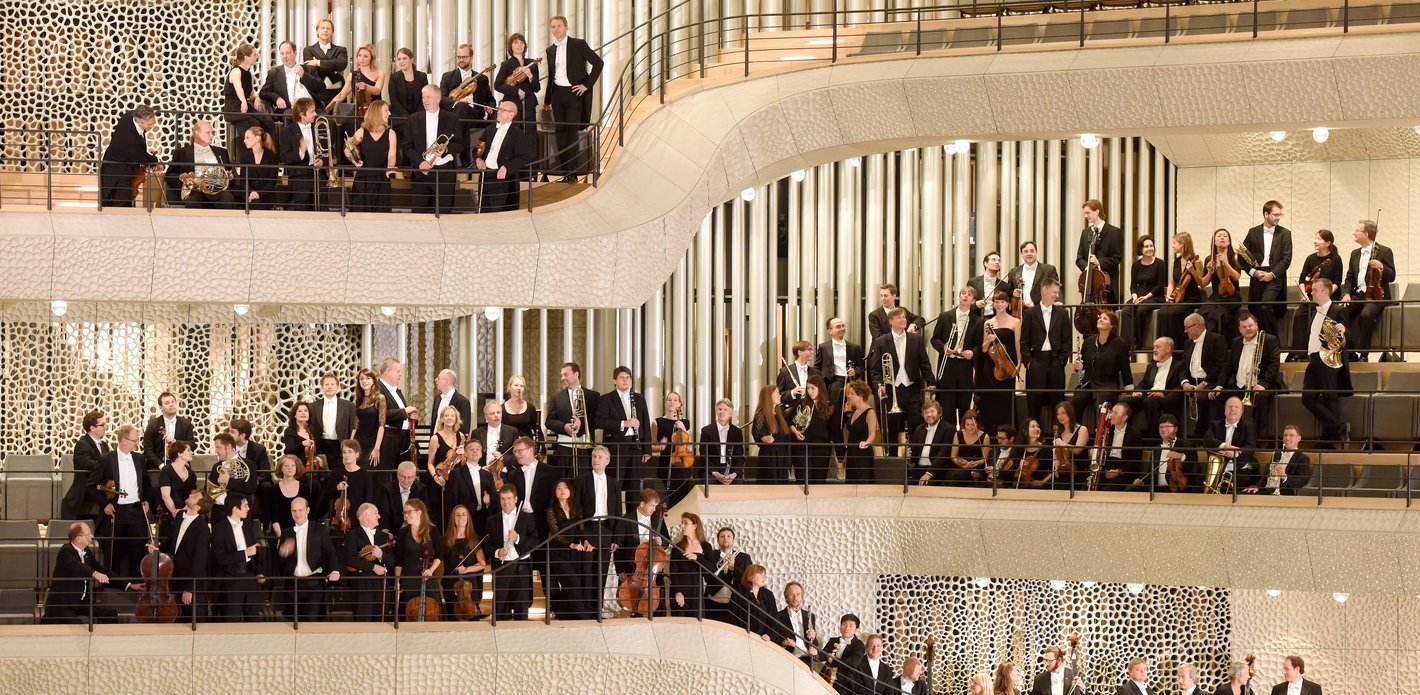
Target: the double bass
(156, 604)
(1096, 287)
(423, 608)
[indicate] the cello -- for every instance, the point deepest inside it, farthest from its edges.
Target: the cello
(1095, 288)
(466, 603)
(423, 608)
(156, 604)
(639, 592)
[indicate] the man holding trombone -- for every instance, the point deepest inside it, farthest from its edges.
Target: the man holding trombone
(899, 367)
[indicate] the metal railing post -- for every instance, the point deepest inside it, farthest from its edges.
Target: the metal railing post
(833, 18)
(1346, 17)
(1168, 21)
(1082, 23)
(49, 176)
(1000, 28)
(919, 31)
(546, 585)
(1254, 19)
(744, 28)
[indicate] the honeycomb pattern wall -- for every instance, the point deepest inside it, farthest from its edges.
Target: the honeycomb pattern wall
(95, 59)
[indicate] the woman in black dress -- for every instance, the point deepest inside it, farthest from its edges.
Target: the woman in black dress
(1103, 366)
(1033, 454)
(571, 565)
(405, 83)
(258, 169)
(1146, 292)
(463, 559)
(443, 442)
(176, 480)
(661, 430)
(525, 92)
(298, 434)
(1187, 270)
(418, 552)
(290, 484)
(996, 398)
(969, 445)
(811, 453)
(762, 605)
(365, 76)
(374, 159)
(1329, 262)
(1069, 452)
(241, 106)
(771, 432)
(369, 418)
(1221, 268)
(690, 563)
(862, 433)
(517, 411)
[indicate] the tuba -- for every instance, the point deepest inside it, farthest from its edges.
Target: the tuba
(236, 469)
(1256, 367)
(889, 379)
(1332, 343)
(1217, 480)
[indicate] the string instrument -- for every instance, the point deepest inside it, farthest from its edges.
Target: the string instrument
(1178, 482)
(1097, 459)
(1060, 459)
(423, 608)
(928, 656)
(1030, 463)
(1226, 286)
(1003, 368)
(522, 74)
(682, 454)
(639, 592)
(1018, 301)
(340, 512)
(413, 450)
(452, 460)
(111, 490)
(1074, 640)
(156, 604)
(1180, 289)
(1251, 670)
(313, 462)
(495, 467)
(465, 601)
(1316, 273)
(469, 85)
(363, 98)
(1375, 285)
(367, 553)
(1095, 287)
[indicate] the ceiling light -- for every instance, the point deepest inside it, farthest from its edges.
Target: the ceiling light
(387, 310)
(1057, 584)
(1088, 584)
(1320, 135)
(854, 161)
(1274, 593)
(798, 176)
(1135, 589)
(58, 307)
(241, 309)
(1340, 596)
(1417, 130)
(747, 194)
(983, 582)
(1277, 135)
(492, 313)
(794, 58)
(1090, 141)
(958, 147)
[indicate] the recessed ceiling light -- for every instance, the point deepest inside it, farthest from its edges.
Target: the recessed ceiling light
(1277, 135)
(492, 313)
(387, 310)
(747, 194)
(1320, 135)
(1090, 141)
(1135, 589)
(983, 582)
(854, 161)
(1088, 584)
(798, 176)
(59, 307)
(1057, 584)
(241, 309)
(1340, 596)
(1274, 593)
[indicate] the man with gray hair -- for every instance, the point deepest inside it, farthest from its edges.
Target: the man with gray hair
(1188, 680)
(446, 386)
(398, 428)
(127, 151)
(197, 162)
(433, 143)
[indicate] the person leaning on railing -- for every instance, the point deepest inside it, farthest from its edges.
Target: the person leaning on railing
(127, 151)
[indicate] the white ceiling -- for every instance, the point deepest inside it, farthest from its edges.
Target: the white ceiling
(1257, 147)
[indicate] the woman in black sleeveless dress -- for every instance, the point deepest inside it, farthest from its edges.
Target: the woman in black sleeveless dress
(377, 145)
(771, 432)
(369, 418)
(525, 92)
(241, 107)
(444, 440)
(862, 434)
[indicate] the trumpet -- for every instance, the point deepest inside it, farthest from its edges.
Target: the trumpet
(889, 378)
(1332, 343)
(1256, 368)
(436, 150)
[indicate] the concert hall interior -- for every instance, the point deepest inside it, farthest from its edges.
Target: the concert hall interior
(763, 346)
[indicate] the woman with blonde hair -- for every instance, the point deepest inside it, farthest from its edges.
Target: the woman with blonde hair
(980, 684)
(375, 145)
(365, 74)
(1187, 268)
(1008, 679)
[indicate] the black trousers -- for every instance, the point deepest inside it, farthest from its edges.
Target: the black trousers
(568, 583)
(115, 185)
(123, 534)
(1134, 318)
(1045, 385)
(571, 459)
(954, 393)
(1361, 319)
(301, 191)
(497, 195)
(305, 598)
(226, 200)
(1260, 296)
(330, 449)
(433, 190)
(374, 596)
(1320, 399)
(909, 399)
(512, 590)
(394, 448)
(568, 110)
(238, 599)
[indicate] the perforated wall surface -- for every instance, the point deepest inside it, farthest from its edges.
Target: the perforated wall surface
(95, 59)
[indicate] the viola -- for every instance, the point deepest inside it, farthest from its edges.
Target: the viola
(1178, 482)
(1316, 273)
(522, 74)
(340, 515)
(111, 490)
(1030, 463)
(1181, 288)
(639, 592)
(1095, 288)
(156, 604)
(423, 608)
(682, 454)
(1375, 285)
(1226, 286)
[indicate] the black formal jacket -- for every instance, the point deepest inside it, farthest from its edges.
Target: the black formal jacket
(275, 86)
(1041, 684)
(320, 550)
(1177, 369)
(866, 684)
(460, 402)
(631, 529)
(1128, 688)
(71, 581)
(258, 459)
(154, 448)
(404, 95)
(1133, 460)
(940, 454)
(390, 506)
(851, 653)
(916, 363)
(257, 177)
(127, 147)
(356, 539)
(531, 86)
(1215, 359)
(787, 381)
(516, 152)
(1299, 472)
(978, 283)
(709, 456)
(1106, 365)
(1192, 470)
(559, 412)
(1043, 271)
(943, 330)
(579, 57)
(1244, 437)
(191, 559)
(1308, 688)
(460, 489)
(611, 413)
(415, 136)
(1281, 252)
(395, 416)
(1343, 376)
(507, 434)
(742, 563)
(227, 561)
(1355, 284)
(584, 491)
(344, 419)
(878, 322)
(1110, 251)
(332, 65)
(288, 149)
(482, 93)
(246, 487)
(823, 358)
(183, 162)
(544, 482)
(1269, 374)
(786, 630)
(108, 470)
(525, 526)
(86, 458)
(1034, 331)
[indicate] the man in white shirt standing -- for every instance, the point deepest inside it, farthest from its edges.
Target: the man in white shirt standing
(874, 674)
(327, 60)
(433, 143)
(569, 91)
(507, 150)
(1025, 280)
(1292, 681)
(120, 488)
(289, 81)
(1138, 682)
(398, 416)
(332, 419)
(626, 426)
(511, 535)
(308, 555)
(446, 393)
(1188, 680)
(1057, 678)
(599, 496)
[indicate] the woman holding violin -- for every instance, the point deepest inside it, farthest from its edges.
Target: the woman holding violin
(298, 435)
(1146, 292)
(290, 484)
(670, 437)
(443, 448)
(176, 479)
(519, 80)
(1103, 365)
(1221, 269)
(571, 558)
(417, 556)
(1069, 450)
(1184, 291)
(1035, 456)
(996, 382)
(862, 432)
(1325, 262)
(690, 563)
(465, 564)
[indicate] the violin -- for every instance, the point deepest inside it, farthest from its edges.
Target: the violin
(1030, 463)
(423, 608)
(522, 74)
(1178, 482)
(1060, 460)
(1226, 286)
(156, 604)
(1003, 368)
(1316, 273)
(682, 454)
(465, 601)
(413, 450)
(111, 490)
(367, 553)
(454, 459)
(1189, 268)
(313, 462)
(1018, 300)
(340, 515)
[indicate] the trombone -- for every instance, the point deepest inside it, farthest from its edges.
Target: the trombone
(890, 379)
(323, 132)
(1256, 367)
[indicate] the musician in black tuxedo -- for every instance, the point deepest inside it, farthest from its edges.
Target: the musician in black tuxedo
(722, 450)
(564, 425)
(472, 111)
(878, 319)
(838, 360)
(396, 445)
(793, 377)
(288, 81)
(1287, 471)
(369, 577)
(1234, 435)
(327, 61)
(797, 627)
(163, 429)
(533, 481)
(127, 151)
(1323, 386)
(1047, 337)
(1271, 246)
(446, 393)
(987, 284)
(472, 487)
(1056, 672)
(957, 339)
(598, 495)
(306, 553)
(405, 486)
(1123, 450)
(182, 170)
(1158, 391)
(254, 453)
(1107, 241)
(76, 573)
(89, 449)
(1138, 670)
(626, 429)
(844, 650)
(189, 542)
(1005, 457)
(495, 436)
(929, 456)
(1362, 316)
(912, 369)
(1168, 448)
(123, 521)
(645, 522)
(332, 420)
(511, 537)
(432, 188)
(873, 675)
(1204, 358)
(572, 70)
(296, 149)
(234, 563)
(724, 588)
(508, 150)
(1027, 279)
(1292, 669)
(225, 447)
(1252, 347)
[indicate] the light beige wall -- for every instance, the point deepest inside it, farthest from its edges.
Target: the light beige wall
(1315, 195)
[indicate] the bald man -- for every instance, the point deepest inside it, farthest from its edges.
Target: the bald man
(446, 393)
(197, 156)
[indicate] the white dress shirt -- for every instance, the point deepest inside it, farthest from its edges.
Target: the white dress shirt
(724, 447)
(899, 346)
(1027, 282)
(398, 402)
(127, 479)
(495, 148)
(796, 624)
(625, 397)
(599, 487)
(431, 133)
(1314, 338)
(559, 76)
(1195, 360)
(529, 474)
(1161, 374)
(1245, 362)
(444, 400)
(237, 534)
(643, 527)
(1294, 688)
(495, 432)
(303, 569)
(800, 374)
(477, 486)
(328, 417)
(1057, 682)
(187, 520)
(988, 287)
(1116, 442)
(510, 522)
(308, 153)
(925, 460)
(1163, 471)
(294, 89)
(840, 357)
